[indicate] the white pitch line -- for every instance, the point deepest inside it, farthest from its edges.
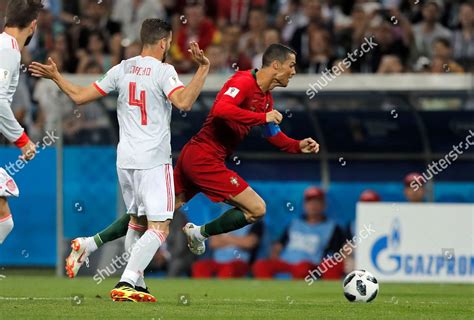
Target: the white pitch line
(33, 298)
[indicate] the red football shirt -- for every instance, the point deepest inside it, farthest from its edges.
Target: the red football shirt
(239, 106)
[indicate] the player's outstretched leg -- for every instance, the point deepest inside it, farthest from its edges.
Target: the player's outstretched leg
(6, 220)
(82, 247)
(142, 254)
(249, 208)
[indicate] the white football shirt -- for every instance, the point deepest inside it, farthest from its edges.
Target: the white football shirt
(143, 110)
(10, 57)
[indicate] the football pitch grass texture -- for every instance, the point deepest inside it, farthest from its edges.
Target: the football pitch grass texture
(48, 297)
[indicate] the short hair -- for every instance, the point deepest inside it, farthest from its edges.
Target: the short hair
(278, 52)
(444, 41)
(153, 30)
(20, 13)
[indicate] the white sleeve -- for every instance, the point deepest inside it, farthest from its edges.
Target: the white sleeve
(9, 125)
(109, 81)
(169, 80)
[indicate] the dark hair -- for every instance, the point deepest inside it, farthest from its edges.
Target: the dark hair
(153, 30)
(278, 52)
(20, 13)
(445, 42)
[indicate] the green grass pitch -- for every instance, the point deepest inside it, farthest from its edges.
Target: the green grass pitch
(48, 297)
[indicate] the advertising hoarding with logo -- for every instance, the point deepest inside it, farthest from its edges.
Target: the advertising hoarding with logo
(417, 242)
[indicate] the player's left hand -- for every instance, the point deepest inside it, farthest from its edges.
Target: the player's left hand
(308, 145)
(48, 71)
(197, 54)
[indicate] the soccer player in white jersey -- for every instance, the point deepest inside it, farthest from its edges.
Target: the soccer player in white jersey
(20, 25)
(145, 86)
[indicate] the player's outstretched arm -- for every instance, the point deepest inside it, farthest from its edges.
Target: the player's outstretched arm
(184, 99)
(276, 137)
(78, 94)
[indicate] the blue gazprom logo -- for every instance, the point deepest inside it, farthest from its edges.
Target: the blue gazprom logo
(383, 243)
(387, 260)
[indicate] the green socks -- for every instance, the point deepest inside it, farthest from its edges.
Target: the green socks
(230, 220)
(116, 230)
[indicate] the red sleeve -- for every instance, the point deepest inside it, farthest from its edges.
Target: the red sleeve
(285, 143)
(228, 104)
(22, 140)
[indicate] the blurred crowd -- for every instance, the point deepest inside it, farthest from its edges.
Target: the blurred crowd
(310, 241)
(90, 36)
(93, 35)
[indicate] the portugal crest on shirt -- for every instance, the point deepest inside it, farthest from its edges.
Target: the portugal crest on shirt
(234, 181)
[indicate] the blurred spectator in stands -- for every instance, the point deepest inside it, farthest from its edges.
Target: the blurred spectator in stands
(252, 42)
(414, 187)
(53, 105)
(305, 243)
(344, 68)
(90, 123)
(235, 11)
(96, 18)
(321, 56)
(218, 58)
(194, 27)
(232, 253)
(23, 109)
(442, 58)
(290, 18)
(388, 43)
(463, 39)
(95, 52)
(270, 36)
(230, 44)
(174, 256)
(131, 14)
(62, 51)
(429, 29)
(300, 40)
(390, 64)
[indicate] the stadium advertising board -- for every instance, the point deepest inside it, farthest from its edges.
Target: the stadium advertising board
(417, 242)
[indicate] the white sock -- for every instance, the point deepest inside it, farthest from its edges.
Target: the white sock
(133, 234)
(6, 226)
(91, 246)
(142, 253)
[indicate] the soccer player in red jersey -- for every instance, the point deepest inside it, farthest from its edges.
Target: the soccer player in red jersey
(244, 101)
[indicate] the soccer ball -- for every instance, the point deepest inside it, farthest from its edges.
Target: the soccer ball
(360, 286)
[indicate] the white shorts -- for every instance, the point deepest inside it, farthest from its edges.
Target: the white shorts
(8, 186)
(148, 192)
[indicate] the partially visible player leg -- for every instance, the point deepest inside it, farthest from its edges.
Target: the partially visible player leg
(8, 188)
(136, 228)
(6, 220)
(249, 208)
(154, 192)
(82, 247)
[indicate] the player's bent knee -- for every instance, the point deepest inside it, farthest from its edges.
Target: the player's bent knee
(258, 211)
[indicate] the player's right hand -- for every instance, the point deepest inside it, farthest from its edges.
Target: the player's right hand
(28, 151)
(274, 116)
(48, 71)
(197, 54)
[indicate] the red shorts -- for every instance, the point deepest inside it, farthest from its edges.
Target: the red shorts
(199, 171)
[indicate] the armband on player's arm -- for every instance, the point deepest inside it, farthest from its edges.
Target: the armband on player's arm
(273, 134)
